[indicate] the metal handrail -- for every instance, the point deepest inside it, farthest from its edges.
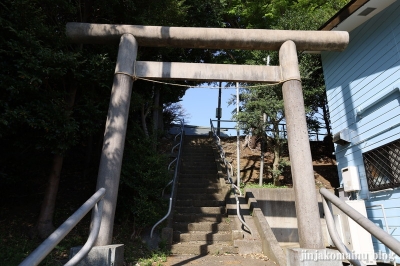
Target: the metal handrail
(170, 164)
(173, 181)
(229, 171)
(163, 191)
(173, 148)
(388, 240)
(282, 130)
(96, 202)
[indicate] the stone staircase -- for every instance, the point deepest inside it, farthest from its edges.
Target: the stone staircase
(200, 221)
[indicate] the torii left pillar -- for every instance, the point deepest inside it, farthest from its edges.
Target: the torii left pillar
(114, 135)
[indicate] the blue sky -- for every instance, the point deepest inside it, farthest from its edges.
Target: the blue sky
(200, 104)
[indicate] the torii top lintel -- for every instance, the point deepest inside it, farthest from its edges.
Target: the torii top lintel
(209, 38)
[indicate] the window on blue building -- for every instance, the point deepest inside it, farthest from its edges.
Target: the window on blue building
(382, 166)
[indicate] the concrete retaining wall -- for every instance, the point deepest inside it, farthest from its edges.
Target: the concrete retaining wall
(278, 208)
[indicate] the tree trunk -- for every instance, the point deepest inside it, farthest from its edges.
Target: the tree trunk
(44, 225)
(160, 119)
(253, 142)
(325, 114)
(156, 107)
(155, 116)
(144, 125)
(275, 165)
(328, 138)
(88, 156)
(277, 154)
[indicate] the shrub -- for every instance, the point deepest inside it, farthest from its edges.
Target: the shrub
(144, 174)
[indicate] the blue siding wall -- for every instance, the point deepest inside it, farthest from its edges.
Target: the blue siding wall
(368, 66)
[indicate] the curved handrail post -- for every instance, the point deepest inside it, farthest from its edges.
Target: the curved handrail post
(98, 211)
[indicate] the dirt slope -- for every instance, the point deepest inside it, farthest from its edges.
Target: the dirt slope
(325, 170)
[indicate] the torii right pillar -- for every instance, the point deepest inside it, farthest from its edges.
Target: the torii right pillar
(308, 217)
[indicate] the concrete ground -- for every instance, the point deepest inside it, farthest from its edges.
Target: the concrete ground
(219, 260)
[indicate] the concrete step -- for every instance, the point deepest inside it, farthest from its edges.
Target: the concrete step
(201, 210)
(196, 157)
(198, 218)
(210, 185)
(184, 195)
(232, 209)
(206, 148)
(198, 177)
(199, 165)
(243, 204)
(202, 249)
(248, 246)
(199, 169)
(199, 215)
(199, 203)
(204, 237)
(205, 226)
(232, 200)
(198, 190)
(185, 170)
(198, 161)
(197, 152)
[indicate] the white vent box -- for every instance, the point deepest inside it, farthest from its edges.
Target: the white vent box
(351, 179)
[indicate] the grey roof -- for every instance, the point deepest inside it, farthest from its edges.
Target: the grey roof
(194, 130)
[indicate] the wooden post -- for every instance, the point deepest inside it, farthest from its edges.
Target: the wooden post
(308, 217)
(114, 136)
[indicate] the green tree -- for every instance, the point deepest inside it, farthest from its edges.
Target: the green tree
(255, 102)
(287, 15)
(38, 86)
(310, 16)
(54, 94)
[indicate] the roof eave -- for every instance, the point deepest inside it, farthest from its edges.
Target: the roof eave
(343, 14)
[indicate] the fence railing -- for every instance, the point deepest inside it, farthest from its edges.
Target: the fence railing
(312, 134)
(229, 172)
(328, 198)
(96, 202)
(174, 180)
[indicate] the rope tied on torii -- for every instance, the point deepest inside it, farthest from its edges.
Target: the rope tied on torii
(134, 78)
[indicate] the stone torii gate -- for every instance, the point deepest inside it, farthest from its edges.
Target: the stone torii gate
(127, 69)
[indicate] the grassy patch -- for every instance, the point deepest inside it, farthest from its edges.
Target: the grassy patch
(243, 186)
(155, 258)
(17, 245)
(269, 185)
(17, 242)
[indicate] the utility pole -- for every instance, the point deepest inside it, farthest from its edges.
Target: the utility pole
(219, 111)
(262, 141)
(262, 151)
(238, 136)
